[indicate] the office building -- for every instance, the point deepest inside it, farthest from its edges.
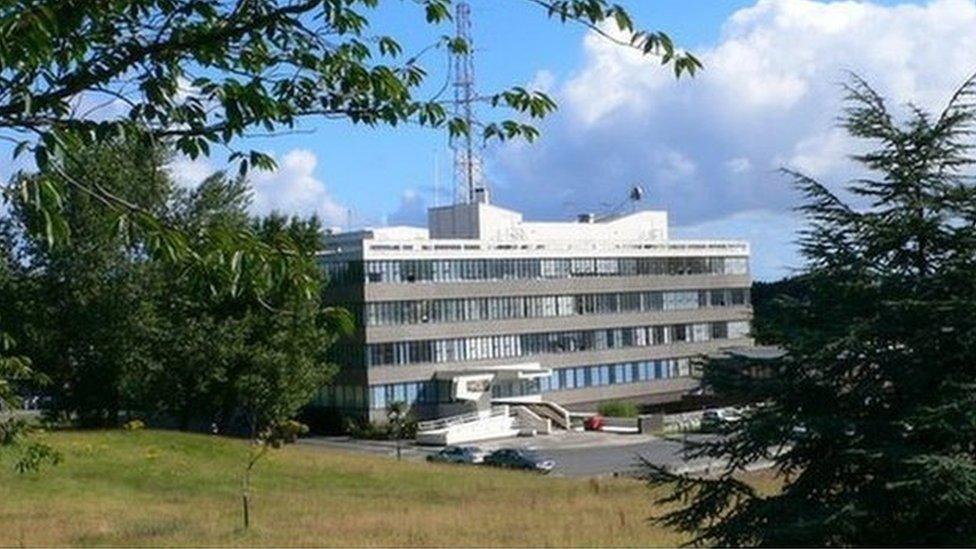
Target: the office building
(483, 307)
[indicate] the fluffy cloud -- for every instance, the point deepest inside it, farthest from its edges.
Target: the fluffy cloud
(190, 173)
(292, 189)
(708, 149)
(411, 211)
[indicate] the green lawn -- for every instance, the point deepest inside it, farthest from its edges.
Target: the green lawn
(167, 488)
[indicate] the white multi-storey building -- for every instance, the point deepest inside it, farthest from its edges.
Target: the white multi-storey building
(484, 307)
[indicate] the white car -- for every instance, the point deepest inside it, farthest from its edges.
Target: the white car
(458, 454)
(712, 419)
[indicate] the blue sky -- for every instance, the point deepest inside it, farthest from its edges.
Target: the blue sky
(705, 149)
(368, 169)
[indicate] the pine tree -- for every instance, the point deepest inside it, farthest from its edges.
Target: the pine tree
(870, 415)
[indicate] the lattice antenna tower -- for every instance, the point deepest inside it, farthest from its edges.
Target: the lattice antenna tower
(468, 174)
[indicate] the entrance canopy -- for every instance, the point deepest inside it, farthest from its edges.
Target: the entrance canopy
(507, 372)
(476, 383)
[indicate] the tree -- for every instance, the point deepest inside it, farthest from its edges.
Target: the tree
(767, 306)
(90, 298)
(870, 417)
(233, 359)
(221, 340)
(396, 415)
(197, 74)
(14, 431)
(272, 437)
(15, 370)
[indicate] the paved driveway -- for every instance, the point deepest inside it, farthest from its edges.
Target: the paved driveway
(594, 454)
(575, 453)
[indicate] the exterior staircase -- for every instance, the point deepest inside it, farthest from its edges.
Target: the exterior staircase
(551, 411)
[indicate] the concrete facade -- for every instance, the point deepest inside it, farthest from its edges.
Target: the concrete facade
(420, 268)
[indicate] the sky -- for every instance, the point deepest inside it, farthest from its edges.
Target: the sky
(708, 149)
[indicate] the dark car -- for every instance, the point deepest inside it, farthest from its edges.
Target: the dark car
(458, 454)
(515, 458)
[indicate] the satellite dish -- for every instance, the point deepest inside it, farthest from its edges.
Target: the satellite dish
(636, 193)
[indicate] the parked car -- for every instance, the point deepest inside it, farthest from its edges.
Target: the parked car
(517, 458)
(593, 423)
(715, 419)
(458, 454)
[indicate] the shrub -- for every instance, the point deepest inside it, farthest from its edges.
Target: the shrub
(616, 408)
(134, 425)
(378, 431)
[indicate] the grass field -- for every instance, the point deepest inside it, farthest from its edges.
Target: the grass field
(166, 488)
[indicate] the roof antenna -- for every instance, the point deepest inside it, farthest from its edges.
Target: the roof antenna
(468, 177)
(636, 194)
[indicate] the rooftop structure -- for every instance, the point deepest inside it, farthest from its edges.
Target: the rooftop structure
(484, 228)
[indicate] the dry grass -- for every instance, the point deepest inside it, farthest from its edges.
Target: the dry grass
(163, 488)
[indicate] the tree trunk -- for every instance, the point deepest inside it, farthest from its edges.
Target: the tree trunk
(246, 497)
(246, 501)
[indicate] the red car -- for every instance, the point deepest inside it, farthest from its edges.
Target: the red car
(593, 423)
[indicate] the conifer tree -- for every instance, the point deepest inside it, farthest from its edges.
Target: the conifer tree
(870, 415)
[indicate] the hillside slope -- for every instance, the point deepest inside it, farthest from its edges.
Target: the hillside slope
(167, 488)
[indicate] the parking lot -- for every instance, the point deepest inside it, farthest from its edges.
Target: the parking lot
(575, 453)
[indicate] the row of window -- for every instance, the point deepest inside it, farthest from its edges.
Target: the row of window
(562, 379)
(389, 313)
(460, 270)
(400, 353)
(341, 396)
(380, 396)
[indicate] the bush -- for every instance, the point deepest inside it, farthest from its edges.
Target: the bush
(134, 425)
(365, 429)
(323, 420)
(378, 431)
(616, 408)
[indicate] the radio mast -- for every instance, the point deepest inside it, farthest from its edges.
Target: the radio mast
(468, 176)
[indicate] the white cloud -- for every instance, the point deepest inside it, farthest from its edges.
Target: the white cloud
(412, 210)
(190, 173)
(294, 189)
(823, 154)
(738, 164)
(673, 165)
(543, 81)
(709, 148)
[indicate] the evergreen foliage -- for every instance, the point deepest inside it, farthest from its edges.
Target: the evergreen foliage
(870, 417)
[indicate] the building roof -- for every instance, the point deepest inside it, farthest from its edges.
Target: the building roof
(485, 230)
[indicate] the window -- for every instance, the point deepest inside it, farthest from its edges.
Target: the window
(508, 307)
(738, 329)
(439, 270)
(527, 344)
(608, 374)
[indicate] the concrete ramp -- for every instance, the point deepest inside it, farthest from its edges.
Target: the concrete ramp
(475, 426)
